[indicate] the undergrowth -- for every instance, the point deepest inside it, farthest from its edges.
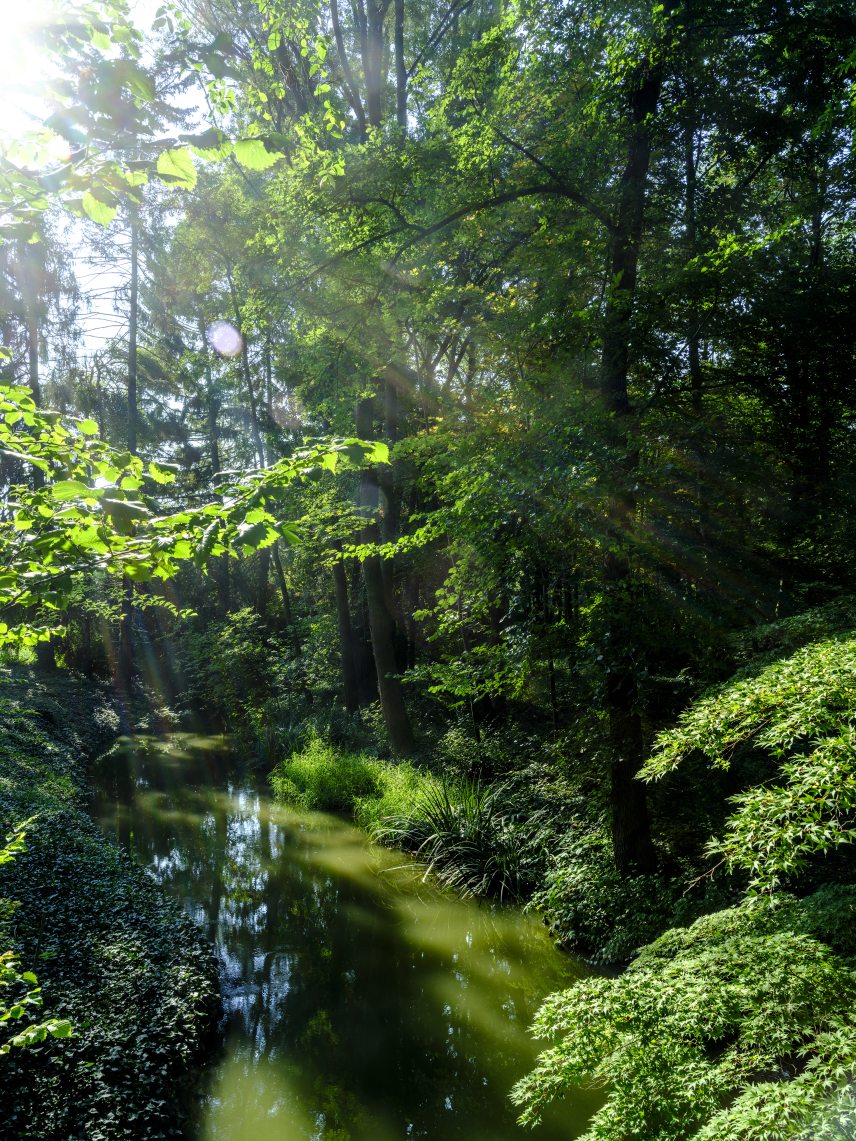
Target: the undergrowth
(122, 964)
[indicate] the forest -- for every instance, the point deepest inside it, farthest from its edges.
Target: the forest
(440, 420)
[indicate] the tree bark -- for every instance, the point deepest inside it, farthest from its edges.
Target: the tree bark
(631, 833)
(346, 638)
(400, 70)
(133, 415)
(381, 621)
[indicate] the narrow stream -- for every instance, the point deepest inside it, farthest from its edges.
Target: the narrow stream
(361, 1004)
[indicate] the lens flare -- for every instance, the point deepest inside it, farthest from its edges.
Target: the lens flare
(225, 339)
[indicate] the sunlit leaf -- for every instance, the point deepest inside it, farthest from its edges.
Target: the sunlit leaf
(253, 154)
(176, 167)
(98, 211)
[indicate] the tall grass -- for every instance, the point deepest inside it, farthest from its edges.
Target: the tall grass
(466, 833)
(323, 778)
(466, 836)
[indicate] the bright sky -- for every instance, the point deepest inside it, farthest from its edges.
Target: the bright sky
(22, 71)
(24, 66)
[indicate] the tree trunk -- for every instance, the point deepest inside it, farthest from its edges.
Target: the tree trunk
(400, 70)
(125, 664)
(631, 835)
(133, 414)
(346, 638)
(211, 404)
(381, 621)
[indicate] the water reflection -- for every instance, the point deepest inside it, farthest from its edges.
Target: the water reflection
(361, 1005)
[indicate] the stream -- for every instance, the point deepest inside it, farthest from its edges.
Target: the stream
(361, 1003)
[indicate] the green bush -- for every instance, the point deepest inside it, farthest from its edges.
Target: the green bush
(466, 835)
(738, 1028)
(742, 1026)
(322, 778)
(401, 786)
(607, 917)
(799, 712)
(124, 966)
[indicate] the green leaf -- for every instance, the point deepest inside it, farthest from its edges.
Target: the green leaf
(98, 211)
(176, 167)
(73, 489)
(206, 543)
(210, 144)
(160, 474)
(250, 535)
(88, 427)
(253, 154)
(123, 510)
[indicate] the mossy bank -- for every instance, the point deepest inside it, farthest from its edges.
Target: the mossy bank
(131, 972)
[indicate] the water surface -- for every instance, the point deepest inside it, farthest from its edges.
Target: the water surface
(361, 1003)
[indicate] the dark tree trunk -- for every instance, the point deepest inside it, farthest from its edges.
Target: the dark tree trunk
(631, 834)
(350, 83)
(211, 402)
(247, 375)
(133, 414)
(381, 621)
(400, 70)
(364, 662)
(346, 638)
(690, 233)
(263, 563)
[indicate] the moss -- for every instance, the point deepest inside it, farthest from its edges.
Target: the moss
(121, 962)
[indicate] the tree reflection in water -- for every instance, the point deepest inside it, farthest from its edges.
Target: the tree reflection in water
(361, 1005)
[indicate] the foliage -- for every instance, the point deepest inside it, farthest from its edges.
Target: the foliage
(608, 917)
(228, 667)
(321, 777)
(740, 1026)
(400, 787)
(799, 710)
(23, 991)
(90, 511)
(465, 835)
(124, 966)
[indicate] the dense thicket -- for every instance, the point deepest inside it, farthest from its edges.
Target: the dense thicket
(588, 271)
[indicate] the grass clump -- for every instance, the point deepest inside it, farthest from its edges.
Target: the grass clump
(466, 836)
(463, 831)
(401, 787)
(321, 778)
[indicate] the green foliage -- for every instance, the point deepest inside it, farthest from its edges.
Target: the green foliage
(463, 833)
(607, 917)
(321, 777)
(400, 786)
(739, 1027)
(19, 989)
(466, 835)
(124, 967)
(799, 710)
(228, 666)
(93, 514)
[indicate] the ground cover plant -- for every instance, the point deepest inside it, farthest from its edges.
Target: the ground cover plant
(117, 965)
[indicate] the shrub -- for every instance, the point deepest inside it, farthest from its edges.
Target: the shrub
(740, 1027)
(123, 965)
(466, 836)
(799, 711)
(401, 786)
(607, 917)
(323, 778)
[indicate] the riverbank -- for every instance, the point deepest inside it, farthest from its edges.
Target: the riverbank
(112, 954)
